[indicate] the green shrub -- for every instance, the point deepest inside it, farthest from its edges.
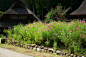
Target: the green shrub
(55, 14)
(1, 12)
(49, 34)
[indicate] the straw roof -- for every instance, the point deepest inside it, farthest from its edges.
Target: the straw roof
(19, 7)
(81, 10)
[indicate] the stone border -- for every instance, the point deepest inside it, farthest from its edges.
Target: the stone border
(44, 49)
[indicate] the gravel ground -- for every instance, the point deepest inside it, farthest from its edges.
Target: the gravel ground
(9, 53)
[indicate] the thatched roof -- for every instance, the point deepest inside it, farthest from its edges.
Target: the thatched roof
(19, 7)
(81, 10)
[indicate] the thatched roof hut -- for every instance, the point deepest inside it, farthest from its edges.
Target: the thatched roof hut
(81, 10)
(17, 13)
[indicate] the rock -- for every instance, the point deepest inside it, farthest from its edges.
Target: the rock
(45, 48)
(35, 49)
(0, 40)
(82, 56)
(38, 49)
(54, 51)
(45, 51)
(58, 52)
(71, 55)
(50, 50)
(31, 48)
(62, 53)
(74, 55)
(42, 50)
(65, 53)
(42, 47)
(28, 44)
(36, 46)
(33, 45)
(39, 46)
(28, 47)
(78, 56)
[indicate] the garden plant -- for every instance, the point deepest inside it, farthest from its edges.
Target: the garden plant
(56, 34)
(70, 34)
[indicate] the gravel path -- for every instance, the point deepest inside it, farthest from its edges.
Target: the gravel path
(9, 53)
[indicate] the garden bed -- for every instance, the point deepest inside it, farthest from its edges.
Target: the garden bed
(57, 35)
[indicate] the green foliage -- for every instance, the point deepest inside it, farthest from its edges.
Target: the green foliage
(71, 34)
(5, 4)
(42, 4)
(1, 12)
(55, 14)
(2, 36)
(55, 45)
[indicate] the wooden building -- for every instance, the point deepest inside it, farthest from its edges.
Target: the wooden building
(81, 11)
(17, 13)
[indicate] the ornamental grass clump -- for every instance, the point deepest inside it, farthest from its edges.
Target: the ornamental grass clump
(56, 14)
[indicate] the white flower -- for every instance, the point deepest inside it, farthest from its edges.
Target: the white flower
(70, 33)
(61, 33)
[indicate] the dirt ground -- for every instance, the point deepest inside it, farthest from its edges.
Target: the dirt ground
(29, 52)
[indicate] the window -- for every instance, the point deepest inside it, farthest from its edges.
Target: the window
(22, 17)
(13, 16)
(18, 17)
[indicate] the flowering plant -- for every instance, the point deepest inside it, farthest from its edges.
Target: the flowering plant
(56, 14)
